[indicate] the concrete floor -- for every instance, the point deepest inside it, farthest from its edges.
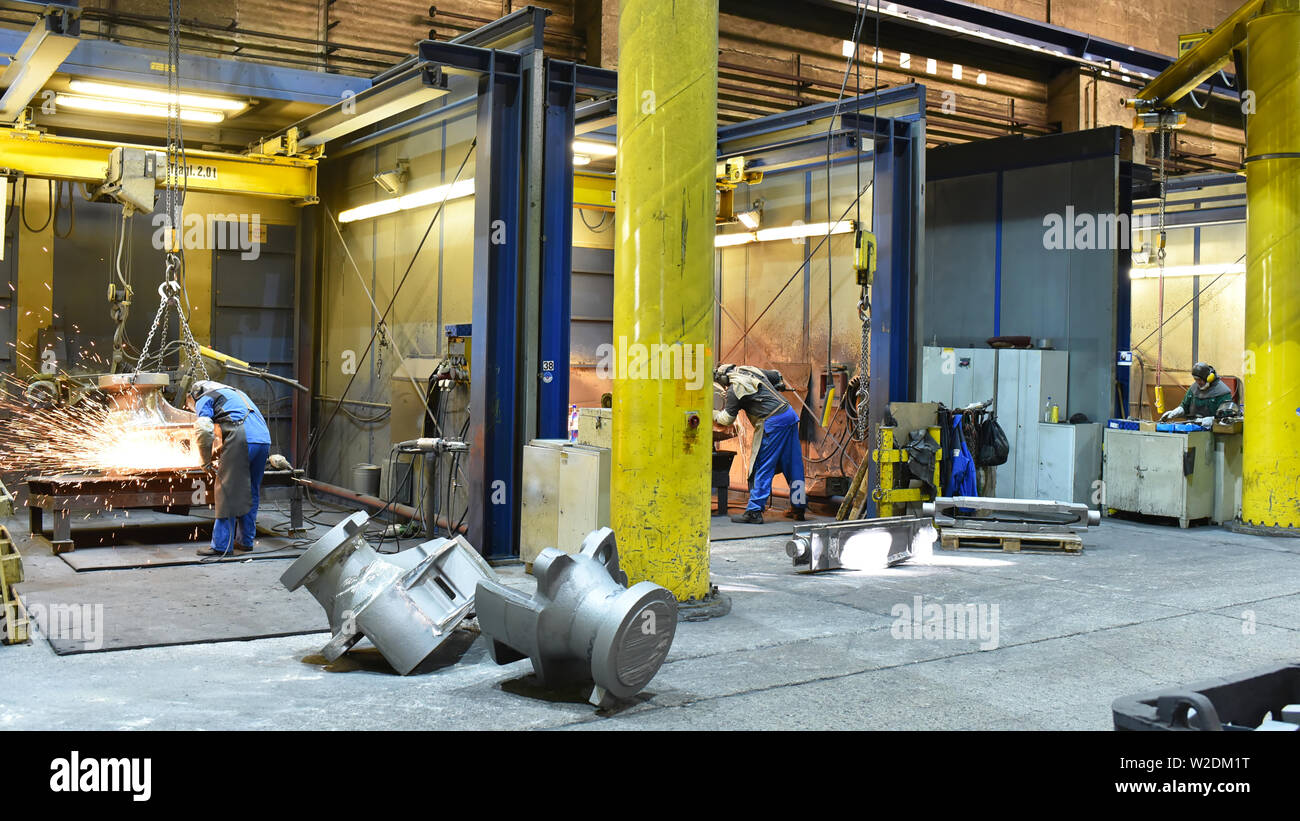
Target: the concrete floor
(1143, 607)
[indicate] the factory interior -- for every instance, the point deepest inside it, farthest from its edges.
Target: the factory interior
(634, 365)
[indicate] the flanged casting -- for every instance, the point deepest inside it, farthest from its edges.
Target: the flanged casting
(584, 623)
(406, 603)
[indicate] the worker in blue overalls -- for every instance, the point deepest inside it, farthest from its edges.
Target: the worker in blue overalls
(776, 435)
(240, 463)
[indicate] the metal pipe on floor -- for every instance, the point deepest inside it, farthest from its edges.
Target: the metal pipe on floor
(374, 503)
(663, 291)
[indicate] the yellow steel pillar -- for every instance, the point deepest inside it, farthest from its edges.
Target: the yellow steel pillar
(663, 291)
(1271, 458)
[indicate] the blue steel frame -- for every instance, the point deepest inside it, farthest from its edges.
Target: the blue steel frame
(496, 399)
(557, 251)
(494, 390)
(899, 145)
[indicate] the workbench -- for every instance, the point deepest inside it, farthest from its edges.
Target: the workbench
(1186, 476)
(173, 491)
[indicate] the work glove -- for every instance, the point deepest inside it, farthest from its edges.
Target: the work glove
(1171, 415)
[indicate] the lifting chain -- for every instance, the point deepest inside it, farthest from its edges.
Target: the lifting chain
(172, 288)
(863, 399)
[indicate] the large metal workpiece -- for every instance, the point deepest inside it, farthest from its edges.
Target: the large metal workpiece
(1011, 515)
(406, 603)
(584, 623)
(860, 544)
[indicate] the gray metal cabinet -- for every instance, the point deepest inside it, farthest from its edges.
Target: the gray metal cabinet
(1026, 380)
(958, 377)
(1160, 474)
(1069, 462)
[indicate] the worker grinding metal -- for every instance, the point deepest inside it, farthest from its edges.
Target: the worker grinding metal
(1203, 398)
(245, 446)
(776, 435)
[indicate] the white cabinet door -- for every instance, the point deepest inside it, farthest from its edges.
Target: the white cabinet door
(1120, 461)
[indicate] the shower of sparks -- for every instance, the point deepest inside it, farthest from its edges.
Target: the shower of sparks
(87, 437)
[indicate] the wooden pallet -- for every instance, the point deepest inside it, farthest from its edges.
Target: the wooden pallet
(953, 538)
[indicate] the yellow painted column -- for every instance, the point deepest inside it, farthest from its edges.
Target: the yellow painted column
(663, 291)
(1271, 459)
(35, 294)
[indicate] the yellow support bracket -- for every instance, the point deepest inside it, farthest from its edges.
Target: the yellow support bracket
(11, 573)
(886, 495)
(68, 158)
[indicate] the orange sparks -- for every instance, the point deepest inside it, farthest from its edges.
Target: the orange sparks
(88, 437)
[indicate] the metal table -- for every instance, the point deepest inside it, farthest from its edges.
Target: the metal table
(174, 491)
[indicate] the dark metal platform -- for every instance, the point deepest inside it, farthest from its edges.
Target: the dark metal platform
(173, 491)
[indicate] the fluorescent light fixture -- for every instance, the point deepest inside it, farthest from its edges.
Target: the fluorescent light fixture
(728, 240)
(932, 66)
(369, 210)
(956, 71)
(749, 219)
(1188, 271)
(812, 229)
(848, 48)
(982, 79)
(594, 148)
(417, 199)
(581, 159)
(879, 56)
(134, 109)
(904, 60)
(797, 231)
(135, 94)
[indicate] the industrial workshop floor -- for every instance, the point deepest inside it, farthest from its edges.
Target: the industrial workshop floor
(1144, 606)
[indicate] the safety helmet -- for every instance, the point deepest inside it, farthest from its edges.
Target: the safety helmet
(1203, 370)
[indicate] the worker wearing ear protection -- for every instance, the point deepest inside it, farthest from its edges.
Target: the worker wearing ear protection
(1203, 398)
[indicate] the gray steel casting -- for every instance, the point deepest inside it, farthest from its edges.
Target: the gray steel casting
(584, 623)
(866, 542)
(406, 603)
(1013, 515)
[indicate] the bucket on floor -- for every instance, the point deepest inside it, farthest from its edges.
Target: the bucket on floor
(365, 479)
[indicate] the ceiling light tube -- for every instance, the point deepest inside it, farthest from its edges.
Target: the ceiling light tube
(1188, 271)
(136, 94)
(134, 109)
(594, 148)
(813, 229)
(798, 231)
(728, 240)
(416, 199)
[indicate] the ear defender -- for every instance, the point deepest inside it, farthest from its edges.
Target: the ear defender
(1211, 377)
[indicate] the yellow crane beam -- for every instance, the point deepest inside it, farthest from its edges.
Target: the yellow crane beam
(1202, 60)
(68, 158)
